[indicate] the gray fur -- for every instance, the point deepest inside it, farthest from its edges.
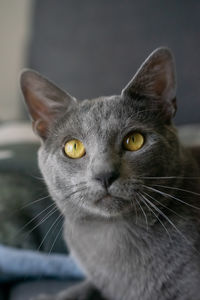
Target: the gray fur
(125, 254)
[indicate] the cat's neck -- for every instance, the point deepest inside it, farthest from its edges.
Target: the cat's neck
(106, 248)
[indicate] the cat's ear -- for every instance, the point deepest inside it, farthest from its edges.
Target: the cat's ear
(44, 100)
(156, 81)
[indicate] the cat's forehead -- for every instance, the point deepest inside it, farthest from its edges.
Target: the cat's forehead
(103, 109)
(102, 115)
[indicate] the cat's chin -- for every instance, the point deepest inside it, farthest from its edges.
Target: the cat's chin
(111, 207)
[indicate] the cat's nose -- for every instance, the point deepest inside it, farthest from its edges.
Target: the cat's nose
(107, 178)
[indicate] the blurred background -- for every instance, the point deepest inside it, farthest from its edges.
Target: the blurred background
(93, 48)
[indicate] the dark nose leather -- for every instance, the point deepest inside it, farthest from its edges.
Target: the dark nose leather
(107, 178)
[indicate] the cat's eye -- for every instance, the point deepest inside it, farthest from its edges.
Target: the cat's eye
(133, 141)
(74, 149)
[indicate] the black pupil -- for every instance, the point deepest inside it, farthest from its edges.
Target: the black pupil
(74, 146)
(133, 139)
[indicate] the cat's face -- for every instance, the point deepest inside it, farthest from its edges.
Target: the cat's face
(96, 154)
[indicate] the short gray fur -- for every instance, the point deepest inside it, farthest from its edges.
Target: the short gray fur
(142, 241)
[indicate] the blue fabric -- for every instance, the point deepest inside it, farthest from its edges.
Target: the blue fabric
(23, 264)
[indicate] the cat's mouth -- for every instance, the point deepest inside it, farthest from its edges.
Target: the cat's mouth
(113, 205)
(108, 197)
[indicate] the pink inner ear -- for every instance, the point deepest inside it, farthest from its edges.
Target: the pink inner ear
(43, 119)
(158, 71)
(156, 80)
(40, 128)
(41, 113)
(45, 101)
(159, 86)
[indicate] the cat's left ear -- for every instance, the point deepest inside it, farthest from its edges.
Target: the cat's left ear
(156, 81)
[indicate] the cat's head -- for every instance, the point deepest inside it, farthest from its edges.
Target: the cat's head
(96, 154)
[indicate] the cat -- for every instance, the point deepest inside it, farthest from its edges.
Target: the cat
(127, 188)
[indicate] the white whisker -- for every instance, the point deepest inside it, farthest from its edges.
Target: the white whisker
(144, 200)
(49, 214)
(145, 216)
(56, 238)
(33, 219)
(168, 177)
(164, 205)
(170, 196)
(172, 224)
(178, 189)
(52, 225)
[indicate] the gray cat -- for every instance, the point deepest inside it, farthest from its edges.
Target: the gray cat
(127, 188)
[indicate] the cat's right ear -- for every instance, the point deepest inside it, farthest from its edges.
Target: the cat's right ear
(45, 101)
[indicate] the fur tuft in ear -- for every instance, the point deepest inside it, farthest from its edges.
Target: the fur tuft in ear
(156, 80)
(45, 101)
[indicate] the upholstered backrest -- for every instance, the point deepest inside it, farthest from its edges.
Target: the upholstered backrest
(93, 48)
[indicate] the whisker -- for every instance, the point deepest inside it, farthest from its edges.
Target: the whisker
(164, 206)
(37, 177)
(52, 225)
(178, 189)
(70, 187)
(49, 214)
(145, 216)
(173, 225)
(57, 236)
(136, 211)
(33, 219)
(77, 203)
(170, 196)
(80, 190)
(80, 183)
(29, 204)
(52, 211)
(169, 177)
(144, 200)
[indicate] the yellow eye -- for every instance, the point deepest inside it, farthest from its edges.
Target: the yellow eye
(74, 149)
(133, 141)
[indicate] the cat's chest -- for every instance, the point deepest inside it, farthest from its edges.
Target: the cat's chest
(131, 265)
(114, 258)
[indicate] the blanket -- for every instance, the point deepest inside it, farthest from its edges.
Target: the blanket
(20, 264)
